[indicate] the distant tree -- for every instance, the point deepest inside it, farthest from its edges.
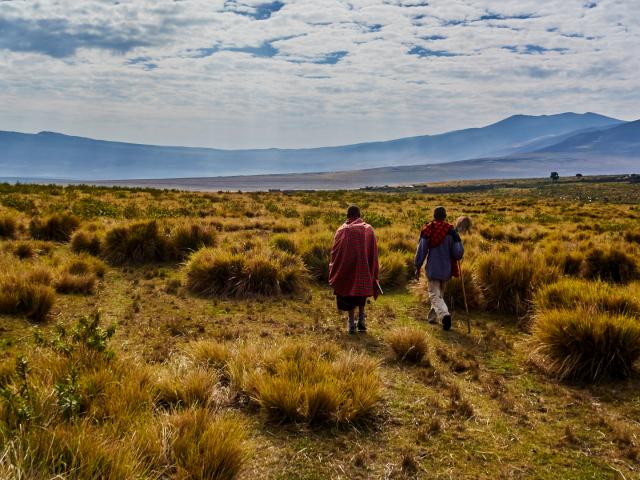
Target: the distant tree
(554, 176)
(634, 178)
(578, 175)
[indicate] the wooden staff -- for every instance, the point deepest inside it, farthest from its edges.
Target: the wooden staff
(464, 296)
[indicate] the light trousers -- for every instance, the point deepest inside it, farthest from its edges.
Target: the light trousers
(438, 307)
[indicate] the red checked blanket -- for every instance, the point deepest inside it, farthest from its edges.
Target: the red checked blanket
(353, 271)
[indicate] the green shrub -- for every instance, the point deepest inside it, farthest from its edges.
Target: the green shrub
(217, 272)
(8, 227)
(611, 264)
(408, 344)
(508, 279)
(86, 242)
(56, 228)
(19, 296)
(137, 243)
(586, 345)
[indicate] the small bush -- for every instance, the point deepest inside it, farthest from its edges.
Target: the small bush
(207, 448)
(18, 296)
(56, 228)
(138, 243)
(395, 270)
(8, 227)
(611, 264)
(216, 272)
(86, 242)
(507, 280)
(86, 264)
(586, 345)
(186, 239)
(408, 344)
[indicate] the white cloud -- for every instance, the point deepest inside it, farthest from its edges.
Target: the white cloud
(304, 73)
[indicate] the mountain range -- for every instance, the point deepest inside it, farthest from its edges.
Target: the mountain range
(562, 140)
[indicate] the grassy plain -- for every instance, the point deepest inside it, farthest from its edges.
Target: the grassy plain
(195, 370)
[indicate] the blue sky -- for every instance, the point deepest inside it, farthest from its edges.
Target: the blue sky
(296, 73)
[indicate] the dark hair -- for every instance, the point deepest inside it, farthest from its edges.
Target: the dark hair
(439, 213)
(353, 212)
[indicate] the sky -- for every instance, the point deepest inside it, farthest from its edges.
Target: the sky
(306, 73)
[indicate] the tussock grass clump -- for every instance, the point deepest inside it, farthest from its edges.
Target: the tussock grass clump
(186, 239)
(67, 283)
(56, 228)
(408, 344)
(454, 293)
(208, 354)
(315, 251)
(574, 293)
(137, 243)
(632, 236)
(508, 279)
(86, 264)
(193, 388)
(611, 264)
(24, 250)
(20, 295)
(216, 272)
(587, 345)
(8, 227)
(86, 242)
(309, 383)
(284, 243)
(206, 447)
(395, 270)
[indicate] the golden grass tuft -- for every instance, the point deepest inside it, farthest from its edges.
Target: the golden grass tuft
(189, 238)
(208, 354)
(587, 345)
(408, 344)
(315, 251)
(217, 272)
(304, 382)
(612, 264)
(508, 279)
(185, 389)
(56, 228)
(136, 244)
(86, 242)
(8, 227)
(68, 283)
(20, 296)
(206, 447)
(396, 269)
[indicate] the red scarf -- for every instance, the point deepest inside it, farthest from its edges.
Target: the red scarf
(435, 232)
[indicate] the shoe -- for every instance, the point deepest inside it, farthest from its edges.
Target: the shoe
(446, 322)
(352, 327)
(362, 326)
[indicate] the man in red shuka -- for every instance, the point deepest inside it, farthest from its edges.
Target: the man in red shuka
(353, 271)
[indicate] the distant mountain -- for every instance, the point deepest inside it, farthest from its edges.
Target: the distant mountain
(55, 155)
(621, 140)
(612, 150)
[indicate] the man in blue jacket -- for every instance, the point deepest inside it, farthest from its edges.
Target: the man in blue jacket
(442, 247)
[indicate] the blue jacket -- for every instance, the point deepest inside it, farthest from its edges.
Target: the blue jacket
(439, 258)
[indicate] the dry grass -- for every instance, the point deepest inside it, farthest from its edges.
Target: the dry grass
(587, 345)
(57, 228)
(408, 344)
(135, 244)
(612, 264)
(216, 272)
(19, 296)
(86, 242)
(8, 227)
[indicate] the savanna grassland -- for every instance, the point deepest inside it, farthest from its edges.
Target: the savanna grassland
(166, 334)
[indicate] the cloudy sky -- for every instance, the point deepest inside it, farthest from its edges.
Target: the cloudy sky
(292, 73)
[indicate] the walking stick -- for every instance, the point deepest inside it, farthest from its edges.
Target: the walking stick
(464, 296)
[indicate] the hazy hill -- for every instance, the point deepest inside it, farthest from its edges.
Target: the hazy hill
(60, 156)
(622, 139)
